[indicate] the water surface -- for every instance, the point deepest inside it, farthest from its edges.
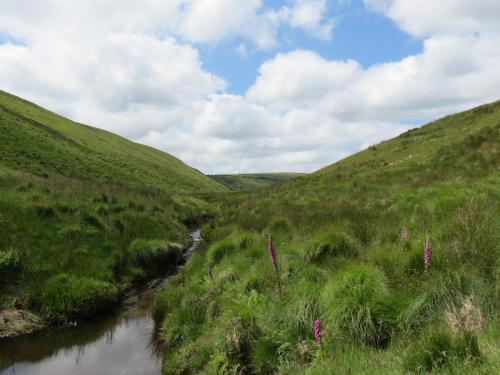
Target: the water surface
(120, 343)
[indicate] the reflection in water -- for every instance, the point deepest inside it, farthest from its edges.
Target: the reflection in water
(122, 343)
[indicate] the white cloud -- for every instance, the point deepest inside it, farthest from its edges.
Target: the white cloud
(425, 18)
(309, 15)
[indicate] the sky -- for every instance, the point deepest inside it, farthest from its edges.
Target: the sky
(235, 86)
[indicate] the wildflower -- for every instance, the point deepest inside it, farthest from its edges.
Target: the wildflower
(272, 254)
(404, 235)
(427, 253)
(317, 331)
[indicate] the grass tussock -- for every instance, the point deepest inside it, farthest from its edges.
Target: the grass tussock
(66, 297)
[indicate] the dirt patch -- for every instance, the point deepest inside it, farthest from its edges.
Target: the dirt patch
(19, 322)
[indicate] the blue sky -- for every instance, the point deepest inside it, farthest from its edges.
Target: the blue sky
(233, 86)
(359, 34)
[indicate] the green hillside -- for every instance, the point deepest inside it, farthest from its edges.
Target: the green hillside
(350, 242)
(40, 142)
(84, 214)
(253, 181)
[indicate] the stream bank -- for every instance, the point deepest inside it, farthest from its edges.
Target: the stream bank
(118, 343)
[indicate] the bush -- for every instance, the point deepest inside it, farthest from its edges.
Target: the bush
(438, 348)
(329, 244)
(155, 256)
(359, 307)
(67, 297)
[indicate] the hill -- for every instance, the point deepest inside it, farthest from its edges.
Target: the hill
(43, 143)
(84, 214)
(253, 181)
(387, 263)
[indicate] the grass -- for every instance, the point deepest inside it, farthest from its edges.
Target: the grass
(342, 261)
(237, 182)
(83, 212)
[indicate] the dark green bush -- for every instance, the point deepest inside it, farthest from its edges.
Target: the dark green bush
(67, 297)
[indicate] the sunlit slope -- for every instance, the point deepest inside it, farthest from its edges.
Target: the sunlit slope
(43, 143)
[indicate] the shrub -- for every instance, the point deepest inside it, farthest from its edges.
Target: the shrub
(330, 243)
(438, 348)
(67, 297)
(359, 308)
(154, 256)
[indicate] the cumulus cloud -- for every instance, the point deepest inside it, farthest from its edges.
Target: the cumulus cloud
(135, 69)
(428, 17)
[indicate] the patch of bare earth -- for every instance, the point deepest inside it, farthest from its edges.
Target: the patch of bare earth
(19, 322)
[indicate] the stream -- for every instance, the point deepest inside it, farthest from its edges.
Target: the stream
(123, 342)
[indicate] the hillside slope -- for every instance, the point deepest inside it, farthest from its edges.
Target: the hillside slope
(255, 180)
(37, 141)
(394, 251)
(83, 215)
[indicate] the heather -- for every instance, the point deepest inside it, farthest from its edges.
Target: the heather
(387, 260)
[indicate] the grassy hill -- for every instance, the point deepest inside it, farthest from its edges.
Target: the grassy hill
(84, 213)
(350, 243)
(43, 143)
(253, 181)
